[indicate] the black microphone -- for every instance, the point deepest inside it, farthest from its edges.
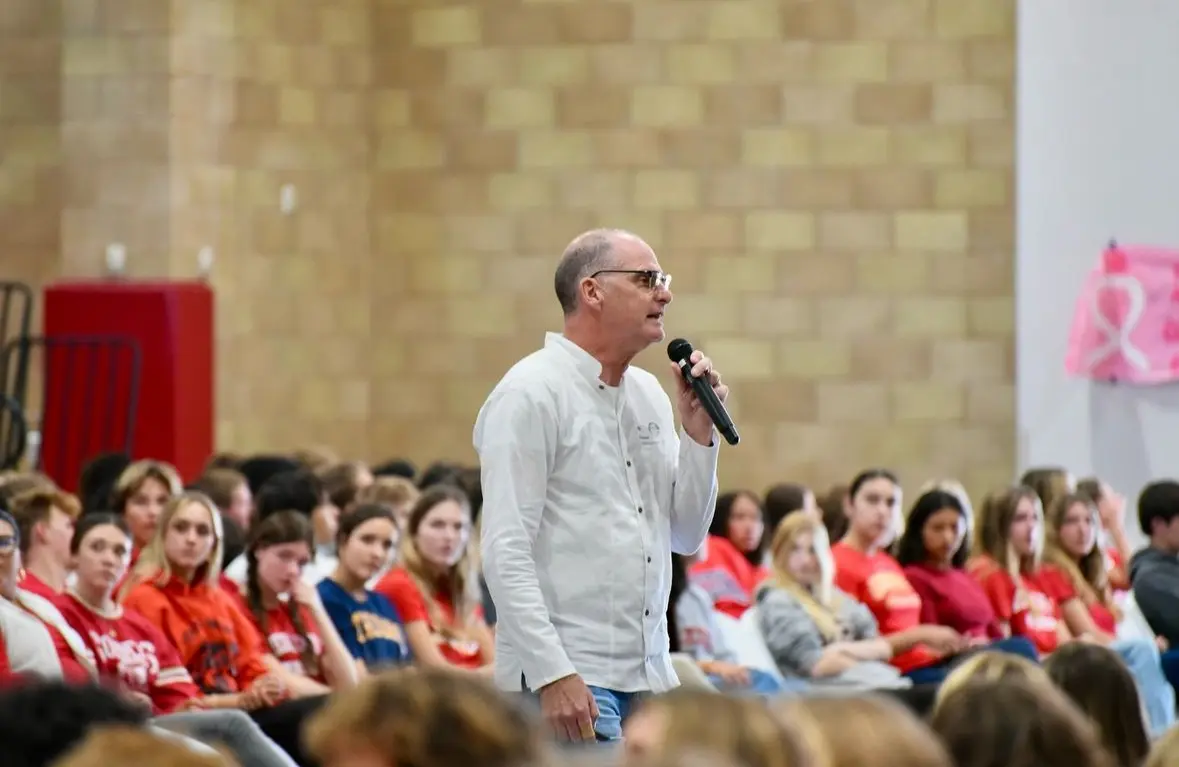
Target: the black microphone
(680, 352)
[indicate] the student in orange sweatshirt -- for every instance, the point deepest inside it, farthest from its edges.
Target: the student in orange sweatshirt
(175, 587)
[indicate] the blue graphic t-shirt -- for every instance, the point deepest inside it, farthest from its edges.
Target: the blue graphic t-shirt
(370, 628)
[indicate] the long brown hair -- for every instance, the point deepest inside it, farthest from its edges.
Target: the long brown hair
(274, 530)
(1087, 574)
(459, 582)
(992, 529)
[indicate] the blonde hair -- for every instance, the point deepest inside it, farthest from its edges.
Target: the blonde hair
(1165, 752)
(1087, 574)
(393, 492)
(124, 745)
(153, 564)
(818, 602)
(992, 530)
(863, 731)
(460, 581)
(990, 666)
(136, 474)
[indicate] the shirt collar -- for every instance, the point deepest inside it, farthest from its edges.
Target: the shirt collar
(585, 362)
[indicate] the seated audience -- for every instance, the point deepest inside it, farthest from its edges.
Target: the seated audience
(1035, 599)
(132, 654)
(932, 550)
(1016, 723)
(433, 585)
(692, 630)
(27, 643)
(175, 587)
(343, 481)
(424, 718)
(1096, 680)
(718, 726)
(300, 491)
(865, 571)
(732, 567)
(813, 630)
(367, 622)
(288, 612)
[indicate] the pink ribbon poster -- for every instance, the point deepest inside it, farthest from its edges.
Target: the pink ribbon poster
(1126, 323)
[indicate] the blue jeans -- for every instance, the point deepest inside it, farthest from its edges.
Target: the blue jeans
(1141, 657)
(937, 673)
(614, 708)
(762, 683)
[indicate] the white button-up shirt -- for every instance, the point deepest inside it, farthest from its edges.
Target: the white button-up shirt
(587, 490)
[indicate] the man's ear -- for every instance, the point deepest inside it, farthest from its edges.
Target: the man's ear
(591, 292)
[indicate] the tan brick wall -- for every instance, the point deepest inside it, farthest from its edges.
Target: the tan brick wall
(829, 182)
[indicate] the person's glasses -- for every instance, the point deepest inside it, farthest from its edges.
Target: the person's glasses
(7, 544)
(652, 278)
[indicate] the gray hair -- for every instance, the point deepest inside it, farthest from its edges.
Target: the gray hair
(587, 254)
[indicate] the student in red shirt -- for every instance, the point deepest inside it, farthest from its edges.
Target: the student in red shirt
(1036, 599)
(433, 585)
(288, 612)
(865, 571)
(932, 550)
(734, 565)
(46, 517)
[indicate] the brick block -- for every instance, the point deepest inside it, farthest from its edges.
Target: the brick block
(743, 20)
(481, 315)
(666, 190)
(819, 104)
(467, 67)
(741, 359)
(446, 27)
(890, 359)
(937, 402)
(697, 63)
(741, 274)
(297, 106)
(812, 360)
(853, 147)
(967, 19)
(847, 318)
(779, 230)
(851, 62)
(777, 316)
(971, 102)
(973, 188)
(554, 65)
(926, 61)
(990, 403)
(409, 150)
(777, 148)
(939, 232)
(928, 146)
(520, 108)
(892, 20)
(667, 106)
(664, 20)
(445, 275)
(590, 189)
(511, 192)
(704, 231)
(554, 149)
(893, 273)
(857, 403)
(774, 401)
(695, 314)
(894, 104)
(972, 360)
(811, 274)
(930, 317)
(626, 64)
(991, 317)
(855, 231)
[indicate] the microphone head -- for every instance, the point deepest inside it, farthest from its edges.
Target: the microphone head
(679, 349)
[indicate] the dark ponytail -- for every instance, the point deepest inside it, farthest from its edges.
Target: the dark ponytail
(276, 529)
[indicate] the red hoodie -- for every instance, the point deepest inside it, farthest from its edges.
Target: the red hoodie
(727, 576)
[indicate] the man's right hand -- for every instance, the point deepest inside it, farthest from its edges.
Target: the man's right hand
(569, 709)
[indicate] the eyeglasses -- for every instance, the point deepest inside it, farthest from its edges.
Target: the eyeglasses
(7, 544)
(653, 277)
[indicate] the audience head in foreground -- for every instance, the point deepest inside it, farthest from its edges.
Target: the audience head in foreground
(423, 718)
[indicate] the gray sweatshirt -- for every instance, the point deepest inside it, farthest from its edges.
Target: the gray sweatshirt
(699, 633)
(796, 644)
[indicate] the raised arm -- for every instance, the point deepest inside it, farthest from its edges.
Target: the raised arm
(516, 437)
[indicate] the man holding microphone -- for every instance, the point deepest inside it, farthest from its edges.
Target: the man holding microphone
(587, 490)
